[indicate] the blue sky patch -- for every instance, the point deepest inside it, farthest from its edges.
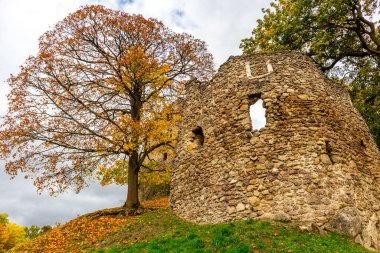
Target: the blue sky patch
(179, 13)
(122, 2)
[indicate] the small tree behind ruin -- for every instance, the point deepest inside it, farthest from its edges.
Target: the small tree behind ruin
(100, 90)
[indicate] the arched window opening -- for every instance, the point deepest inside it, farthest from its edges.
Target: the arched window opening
(199, 137)
(257, 112)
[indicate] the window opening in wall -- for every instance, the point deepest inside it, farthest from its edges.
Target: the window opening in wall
(199, 137)
(164, 156)
(257, 112)
(329, 149)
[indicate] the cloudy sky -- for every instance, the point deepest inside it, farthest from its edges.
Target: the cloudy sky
(221, 23)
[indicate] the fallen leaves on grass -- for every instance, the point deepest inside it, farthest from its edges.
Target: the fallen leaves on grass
(82, 232)
(75, 236)
(162, 202)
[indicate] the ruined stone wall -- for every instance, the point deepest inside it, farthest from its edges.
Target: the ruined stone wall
(315, 161)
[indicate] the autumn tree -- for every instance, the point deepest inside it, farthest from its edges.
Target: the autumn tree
(4, 235)
(11, 234)
(154, 176)
(100, 92)
(35, 231)
(341, 36)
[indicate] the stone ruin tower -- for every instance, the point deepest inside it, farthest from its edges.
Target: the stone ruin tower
(314, 162)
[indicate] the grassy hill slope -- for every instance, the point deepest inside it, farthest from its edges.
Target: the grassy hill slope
(161, 231)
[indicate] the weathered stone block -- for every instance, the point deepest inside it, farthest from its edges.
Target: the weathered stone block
(240, 207)
(254, 200)
(325, 159)
(347, 221)
(231, 209)
(303, 96)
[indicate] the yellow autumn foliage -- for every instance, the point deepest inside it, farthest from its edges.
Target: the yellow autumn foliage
(11, 234)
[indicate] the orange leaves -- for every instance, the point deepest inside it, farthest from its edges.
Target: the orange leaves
(74, 236)
(102, 86)
(81, 233)
(157, 203)
(139, 68)
(45, 55)
(137, 65)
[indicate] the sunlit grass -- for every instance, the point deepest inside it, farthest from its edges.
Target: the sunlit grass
(161, 231)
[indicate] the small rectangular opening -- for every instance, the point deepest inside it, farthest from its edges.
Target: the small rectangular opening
(199, 137)
(257, 112)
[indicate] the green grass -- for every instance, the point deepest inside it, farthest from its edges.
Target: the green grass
(161, 231)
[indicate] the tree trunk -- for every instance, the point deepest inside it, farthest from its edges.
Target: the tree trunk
(133, 170)
(133, 162)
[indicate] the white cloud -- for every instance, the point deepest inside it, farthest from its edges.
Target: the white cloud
(21, 24)
(222, 24)
(25, 207)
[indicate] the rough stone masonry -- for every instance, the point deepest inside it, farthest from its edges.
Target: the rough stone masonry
(315, 161)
